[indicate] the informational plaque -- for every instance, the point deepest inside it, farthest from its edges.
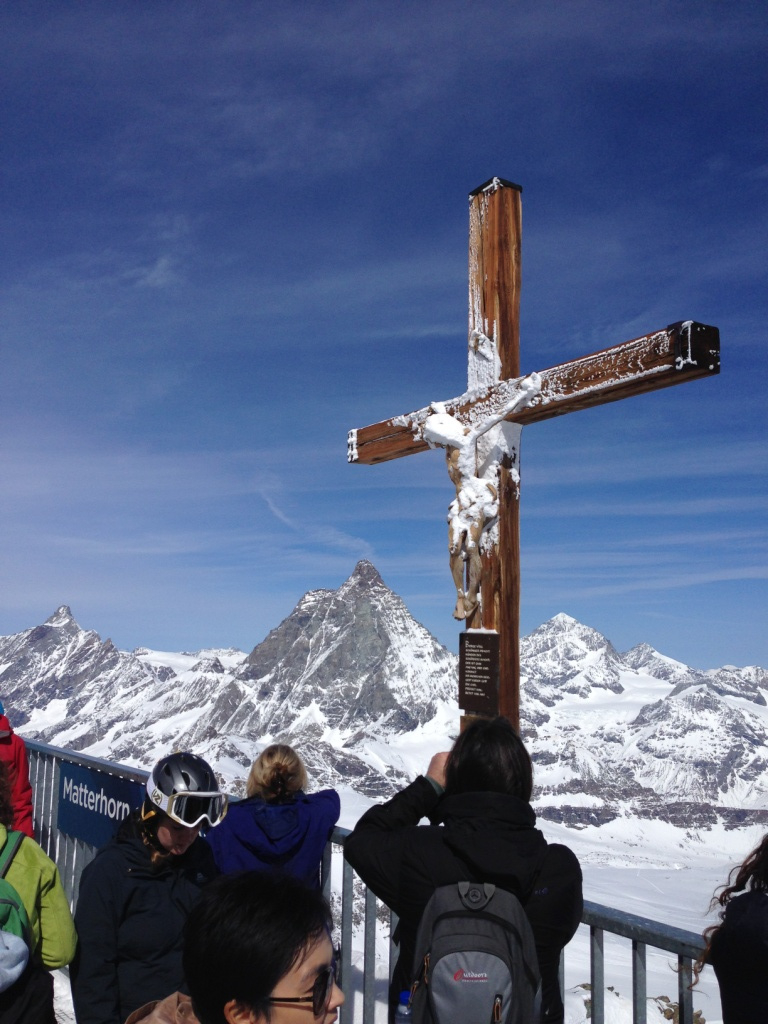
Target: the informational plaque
(479, 672)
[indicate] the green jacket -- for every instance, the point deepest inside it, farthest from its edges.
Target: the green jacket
(35, 878)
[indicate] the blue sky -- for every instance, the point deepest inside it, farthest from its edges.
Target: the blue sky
(232, 231)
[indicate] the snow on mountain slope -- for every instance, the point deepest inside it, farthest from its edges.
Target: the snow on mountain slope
(641, 733)
(654, 773)
(367, 695)
(346, 671)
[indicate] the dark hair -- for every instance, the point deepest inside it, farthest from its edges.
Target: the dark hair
(6, 799)
(243, 935)
(751, 874)
(489, 757)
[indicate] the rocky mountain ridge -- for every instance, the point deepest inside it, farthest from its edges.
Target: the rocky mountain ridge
(346, 668)
(366, 693)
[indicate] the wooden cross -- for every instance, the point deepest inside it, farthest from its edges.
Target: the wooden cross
(681, 352)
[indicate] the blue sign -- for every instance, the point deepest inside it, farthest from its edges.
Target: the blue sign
(92, 804)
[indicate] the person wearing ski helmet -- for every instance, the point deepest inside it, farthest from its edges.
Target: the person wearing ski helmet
(137, 892)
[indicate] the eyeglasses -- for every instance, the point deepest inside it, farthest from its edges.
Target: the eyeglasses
(191, 809)
(321, 990)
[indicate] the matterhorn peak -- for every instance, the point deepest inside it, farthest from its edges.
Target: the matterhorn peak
(366, 573)
(365, 577)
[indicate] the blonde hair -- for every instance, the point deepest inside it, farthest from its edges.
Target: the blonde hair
(276, 774)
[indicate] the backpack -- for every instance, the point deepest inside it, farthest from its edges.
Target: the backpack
(475, 959)
(15, 930)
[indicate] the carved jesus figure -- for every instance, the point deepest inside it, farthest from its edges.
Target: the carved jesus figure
(474, 510)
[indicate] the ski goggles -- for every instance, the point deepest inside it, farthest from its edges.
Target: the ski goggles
(321, 990)
(191, 809)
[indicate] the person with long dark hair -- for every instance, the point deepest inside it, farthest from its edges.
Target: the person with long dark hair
(279, 826)
(477, 798)
(737, 947)
(135, 895)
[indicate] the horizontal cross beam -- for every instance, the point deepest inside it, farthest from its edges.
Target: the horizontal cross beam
(678, 353)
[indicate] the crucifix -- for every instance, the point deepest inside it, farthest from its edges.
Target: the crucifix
(480, 432)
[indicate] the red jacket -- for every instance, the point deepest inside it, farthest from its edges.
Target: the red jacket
(14, 753)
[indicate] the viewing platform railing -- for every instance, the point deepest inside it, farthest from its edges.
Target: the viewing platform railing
(343, 889)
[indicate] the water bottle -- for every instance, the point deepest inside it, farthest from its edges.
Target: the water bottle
(404, 1013)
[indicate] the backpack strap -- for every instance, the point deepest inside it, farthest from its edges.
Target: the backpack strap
(8, 852)
(12, 844)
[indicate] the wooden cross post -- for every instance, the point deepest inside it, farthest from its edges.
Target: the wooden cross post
(498, 399)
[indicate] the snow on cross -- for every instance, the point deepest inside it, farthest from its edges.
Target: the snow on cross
(483, 424)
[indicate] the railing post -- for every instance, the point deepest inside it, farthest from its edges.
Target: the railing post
(36, 768)
(325, 870)
(369, 976)
(684, 994)
(52, 808)
(597, 975)
(639, 991)
(347, 907)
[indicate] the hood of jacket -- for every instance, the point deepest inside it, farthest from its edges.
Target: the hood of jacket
(270, 830)
(495, 836)
(5, 729)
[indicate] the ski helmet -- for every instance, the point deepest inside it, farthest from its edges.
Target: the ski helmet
(184, 787)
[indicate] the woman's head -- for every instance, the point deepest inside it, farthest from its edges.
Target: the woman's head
(183, 786)
(182, 795)
(277, 774)
(489, 756)
(257, 948)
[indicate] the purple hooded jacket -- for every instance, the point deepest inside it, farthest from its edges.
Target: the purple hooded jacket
(258, 836)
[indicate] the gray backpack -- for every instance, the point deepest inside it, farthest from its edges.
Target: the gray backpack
(475, 959)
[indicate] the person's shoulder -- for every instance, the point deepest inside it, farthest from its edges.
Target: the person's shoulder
(742, 937)
(560, 858)
(173, 1009)
(31, 858)
(118, 854)
(324, 796)
(324, 807)
(750, 906)
(32, 850)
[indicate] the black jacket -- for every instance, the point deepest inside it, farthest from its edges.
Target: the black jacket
(482, 837)
(129, 920)
(739, 955)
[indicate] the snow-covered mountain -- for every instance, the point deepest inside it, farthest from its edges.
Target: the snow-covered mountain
(639, 731)
(345, 672)
(366, 694)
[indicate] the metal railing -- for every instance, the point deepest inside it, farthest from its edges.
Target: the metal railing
(340, 886)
